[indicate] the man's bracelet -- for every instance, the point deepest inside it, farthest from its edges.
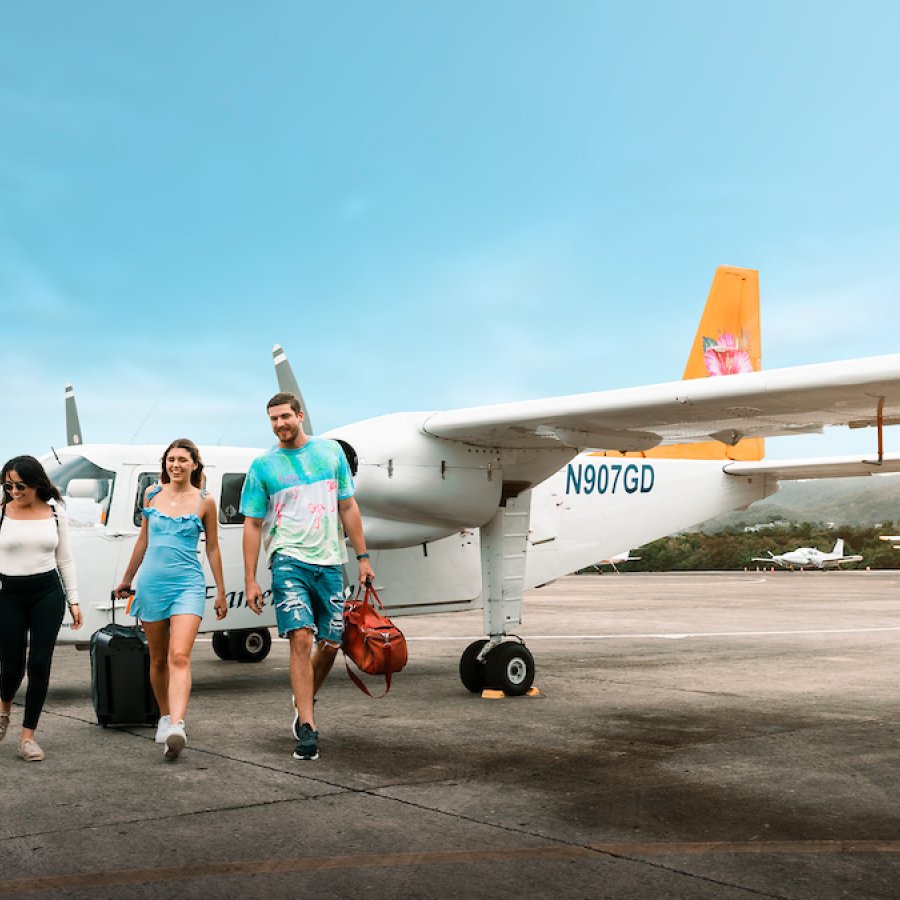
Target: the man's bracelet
(362, 556)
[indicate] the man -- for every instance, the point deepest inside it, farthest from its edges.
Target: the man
(295, 499)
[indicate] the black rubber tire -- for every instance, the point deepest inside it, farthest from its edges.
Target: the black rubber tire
(250, 646)
(221, 644)
(509, 668)
(471, 672)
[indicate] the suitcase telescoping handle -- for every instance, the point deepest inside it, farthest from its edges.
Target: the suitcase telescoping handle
(112, 604)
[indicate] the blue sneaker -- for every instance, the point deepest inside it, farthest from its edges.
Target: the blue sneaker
(295, 724)
(307, 744)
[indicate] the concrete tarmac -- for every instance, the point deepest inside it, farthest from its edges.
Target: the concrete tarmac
(716, 735)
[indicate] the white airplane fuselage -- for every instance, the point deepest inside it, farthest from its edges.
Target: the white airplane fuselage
(585, 511)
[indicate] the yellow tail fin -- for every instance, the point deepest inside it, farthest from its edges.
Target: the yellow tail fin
(727, 342)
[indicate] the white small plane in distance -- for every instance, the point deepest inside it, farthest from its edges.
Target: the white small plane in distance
(469, 508)
(810, 558)
(890, 537)
(616, 560)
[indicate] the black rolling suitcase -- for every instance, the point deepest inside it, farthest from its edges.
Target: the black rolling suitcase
(120, 676)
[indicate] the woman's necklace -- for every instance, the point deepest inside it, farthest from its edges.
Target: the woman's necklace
(174, 497)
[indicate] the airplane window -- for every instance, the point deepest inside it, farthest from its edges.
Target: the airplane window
(86, 489)
(230, 501)
(145, 479)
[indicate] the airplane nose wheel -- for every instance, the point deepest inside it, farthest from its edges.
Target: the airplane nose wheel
(509, 667)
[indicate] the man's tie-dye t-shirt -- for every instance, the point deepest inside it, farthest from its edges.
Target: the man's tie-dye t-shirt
(296, 494)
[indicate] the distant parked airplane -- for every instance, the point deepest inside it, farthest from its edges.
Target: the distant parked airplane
(810, 557)
(617, 559)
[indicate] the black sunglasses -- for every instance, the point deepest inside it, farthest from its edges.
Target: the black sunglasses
(10, 486)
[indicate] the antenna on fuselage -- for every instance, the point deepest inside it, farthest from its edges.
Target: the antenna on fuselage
(287, 382)
(73, 426)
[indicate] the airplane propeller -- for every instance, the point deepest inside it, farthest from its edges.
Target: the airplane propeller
(288, 382)
(73, 426)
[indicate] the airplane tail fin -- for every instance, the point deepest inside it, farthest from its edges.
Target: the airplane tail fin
(838, 547)
(727, 342)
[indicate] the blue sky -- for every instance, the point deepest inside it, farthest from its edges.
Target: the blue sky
(428, 204)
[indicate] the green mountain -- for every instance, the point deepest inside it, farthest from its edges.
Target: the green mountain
(861, 502)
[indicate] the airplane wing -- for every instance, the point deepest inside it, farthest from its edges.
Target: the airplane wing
(825, 467)
(769, 403)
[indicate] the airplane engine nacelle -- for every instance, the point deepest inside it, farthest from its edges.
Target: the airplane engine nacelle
(413, 488)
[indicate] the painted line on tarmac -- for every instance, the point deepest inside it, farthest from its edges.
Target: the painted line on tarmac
(665, 636)
(431, 858)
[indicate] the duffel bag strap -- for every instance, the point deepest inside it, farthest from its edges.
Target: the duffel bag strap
(359, 682)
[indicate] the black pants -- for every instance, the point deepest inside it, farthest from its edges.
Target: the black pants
(31, 612)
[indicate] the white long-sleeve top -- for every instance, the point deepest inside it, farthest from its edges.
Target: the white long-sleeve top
(32, 546)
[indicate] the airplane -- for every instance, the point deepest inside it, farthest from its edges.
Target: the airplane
(810, 557)
(616, 560)
(890, 537)
(467, 509)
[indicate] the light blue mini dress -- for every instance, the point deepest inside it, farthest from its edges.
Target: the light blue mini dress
(171, 580)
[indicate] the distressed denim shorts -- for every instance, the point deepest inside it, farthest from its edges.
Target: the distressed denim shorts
(308, 596)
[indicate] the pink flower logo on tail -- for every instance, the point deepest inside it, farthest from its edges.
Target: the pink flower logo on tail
(726, 355)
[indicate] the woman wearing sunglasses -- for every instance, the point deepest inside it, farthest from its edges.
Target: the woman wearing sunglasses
(37, 582)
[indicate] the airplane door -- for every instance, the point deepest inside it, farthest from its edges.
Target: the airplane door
(98, 504)
(546, 514)
(225, 486)
(126, 519)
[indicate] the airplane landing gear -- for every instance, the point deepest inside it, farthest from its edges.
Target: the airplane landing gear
(471, 670)
(250, 645)
(221, 644)
(508, 667)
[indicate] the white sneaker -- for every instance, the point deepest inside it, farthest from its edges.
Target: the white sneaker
(162, 729)
(175, 740)
(30, 752)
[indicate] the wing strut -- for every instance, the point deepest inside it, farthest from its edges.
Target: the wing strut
(879, 424)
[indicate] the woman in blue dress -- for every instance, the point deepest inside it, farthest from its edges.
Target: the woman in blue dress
(170, 596)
